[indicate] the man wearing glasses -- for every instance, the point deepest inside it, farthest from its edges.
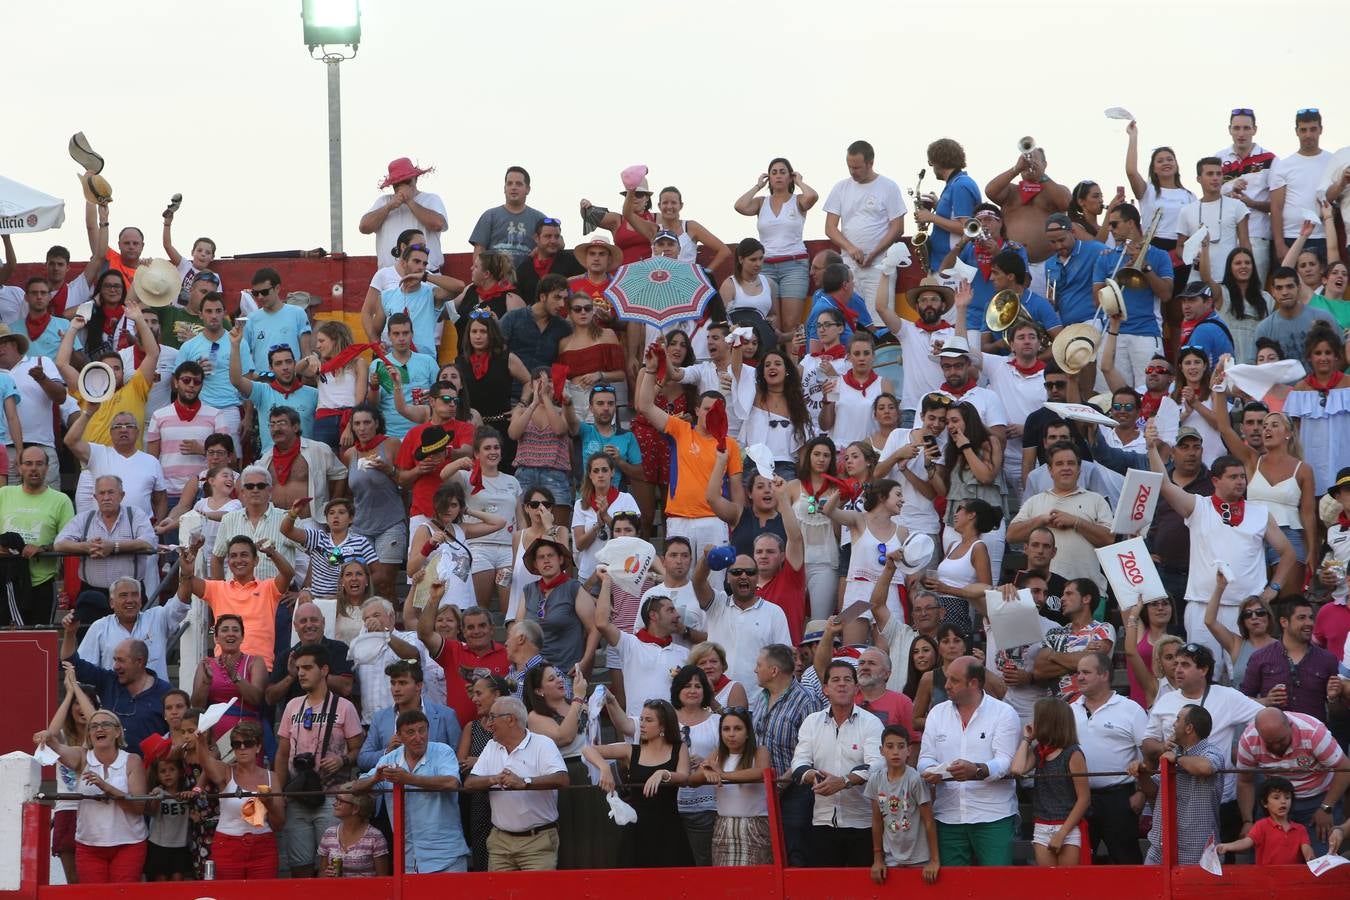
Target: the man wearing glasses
(743, 623)
(547, 258)
(260, 521)
(1068, 270)
(511, 227)
(275, 321)
(419, 472)
(1140, 334)
(176, 434)
(1246, 178)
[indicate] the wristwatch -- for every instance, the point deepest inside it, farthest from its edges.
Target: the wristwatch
(1273, 586)
(528, 779)
(1326, 808)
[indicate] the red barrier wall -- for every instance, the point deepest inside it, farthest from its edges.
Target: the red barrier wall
(30, 669)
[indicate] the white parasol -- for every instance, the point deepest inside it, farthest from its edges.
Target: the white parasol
(23, 209)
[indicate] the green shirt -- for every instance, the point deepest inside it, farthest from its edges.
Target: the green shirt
(39, 518)
(1339, 309)
(171, 315)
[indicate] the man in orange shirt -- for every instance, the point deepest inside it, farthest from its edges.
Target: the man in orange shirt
(254, 601)
(688, 514)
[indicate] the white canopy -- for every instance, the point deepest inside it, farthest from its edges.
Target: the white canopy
(23, 209)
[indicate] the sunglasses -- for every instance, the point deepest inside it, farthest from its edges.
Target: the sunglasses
(1056, 385)
(1226, 512)
(940, 399)
(1255, 614)
(1157, 370)
(537, 504)
(1242, 111)
(1122, 407)
(240, 745)
(261, 292)
(124, 426)
(189, 379)
(603, 389)
(448, 398)
(423, 247)
(742, 572)
(583, 309)
(549, 220)
(779, 423)
(881, 554)
(254, 485)
(1308, 111)
(481, 313)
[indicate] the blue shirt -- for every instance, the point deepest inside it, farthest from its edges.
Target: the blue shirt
(1141, 307)
(142, 714)
(534, 348)
(437, 842)
(1040, 309)
(7, 389)
(442, 727)
(592, 441)
(420, 306)
(265, 398)
(265, 330)
(418, 373)
(1073, 280)
(959, 199)
(982, 288)
(50, 339)
(218, 390)
(1212, 336)
(821, 301)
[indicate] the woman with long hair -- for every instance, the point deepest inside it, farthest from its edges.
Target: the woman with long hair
(593, 354)
(923, 657)
(971, 468)
(538, 505)
(698, 713)
(1088, 211)
(443, 542)
(910, 457)
(542, 427)
(690, 234)
(886, 415)
(1321, 405)
(741, 835)
(593, 514)
(69, 725)
(780, 219)
(231, 676)
(1242, 301)
(752, 295)
(490, 490)
(858, 461)
(1162, 189)
(485, 690)
(242, 849)
(1278, 477)
(674, 399)
(491, 287)
(847, 411)
(107, 325)
(1050, 749)
(491, 371)
(1331, 295)
(1145, 625)
(1191, 394)
(873, 536)
(1311, 264)
(778, 416)
(967, 563)
(355, 586)
(373, 479)
(343, 383)
(820, 535)
(712, 659)
(952, 643)
(1256, 628)
(659, 761)
(1158, 679)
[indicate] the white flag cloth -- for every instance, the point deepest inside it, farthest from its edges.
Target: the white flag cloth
(762, 457)
(1119, 112)
(1256, 381)
(627, 560)
(24, 209)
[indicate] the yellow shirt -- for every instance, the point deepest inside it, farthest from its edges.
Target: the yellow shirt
(694, 456)
(130, 397)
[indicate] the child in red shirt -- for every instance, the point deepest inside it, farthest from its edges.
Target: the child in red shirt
(1278, 841)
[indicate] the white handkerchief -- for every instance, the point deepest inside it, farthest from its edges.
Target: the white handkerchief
(619, 811)
(213, 714)
(897, 255)
(1119, 112)
(1190, 251)
(1324, 864)
(737, 335)
(1256, 381)
(762, 457)
(1209, 859)
(46, 756)
(961, 271)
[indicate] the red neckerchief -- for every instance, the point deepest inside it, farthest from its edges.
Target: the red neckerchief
(850, 317)
(38, 326)
(186, 412)
(648, 638)
(1187, 326)
(296, 384)
(476, 477)
(548, 584)
(858, 386)
(479, 363)
(282, 460)
(610, 496)
(984, 259)
(1236, 510)
(541, 265)
(812, 491)
(1034, 369)
(835, 352)
(936, 326)
(961, 391)
(1148, 404)
(340, 359)
(722, 681)
(1027, 190)
(367, 446)
(1043, 754)
(109, 320)
(1324, 387)
(848, 488)
(492, 293)
(1343, 520)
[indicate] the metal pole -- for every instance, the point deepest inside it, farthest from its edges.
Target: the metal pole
(334, 154)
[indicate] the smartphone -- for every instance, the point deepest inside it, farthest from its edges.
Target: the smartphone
(930, 440)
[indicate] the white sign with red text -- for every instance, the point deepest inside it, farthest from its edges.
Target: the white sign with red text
(1138, 500)
(1130, 569)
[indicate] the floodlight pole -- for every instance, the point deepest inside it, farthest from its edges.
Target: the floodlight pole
(334, 152)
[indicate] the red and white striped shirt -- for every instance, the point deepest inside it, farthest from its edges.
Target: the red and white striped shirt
(1310, 744)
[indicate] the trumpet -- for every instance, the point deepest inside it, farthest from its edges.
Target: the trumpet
(974, 231)
(1132, 276)
(1026, 146)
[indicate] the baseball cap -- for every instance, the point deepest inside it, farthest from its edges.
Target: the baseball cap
(665, 234)
(1186, 431)
(1059, 222)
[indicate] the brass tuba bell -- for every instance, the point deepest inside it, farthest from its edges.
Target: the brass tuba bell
(1005, 308)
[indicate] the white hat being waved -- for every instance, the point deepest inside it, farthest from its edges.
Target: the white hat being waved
(955, 345)
(1076, 347)
(157, 284)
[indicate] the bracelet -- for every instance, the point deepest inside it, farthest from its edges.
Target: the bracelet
(963, 448)
(102, 224)
(1113, 333)
(117, 547)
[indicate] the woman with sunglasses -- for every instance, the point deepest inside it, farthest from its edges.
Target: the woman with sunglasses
(780, 217)
(244, 846)
(967, 565)
(635, 245)
(593, 513)
(1256, 628)
(593, 355)
(1145, 625)
(110, 837)
(971, 468)
(538, 506)
(674, 399)
(70, 725)
(491, 371)
(1125, 409)
(1088, 211)
(353, 848)
(778, 416)
(542, 425)
(231, 676)
(484, 690)
(820, 535)
(699, 715)
(873, 534)
(1278, 477)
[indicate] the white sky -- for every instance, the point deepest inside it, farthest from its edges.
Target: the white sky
(220, 101)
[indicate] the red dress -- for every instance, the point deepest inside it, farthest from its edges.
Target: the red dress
(595, 358)
(633, 244)
(655, 444)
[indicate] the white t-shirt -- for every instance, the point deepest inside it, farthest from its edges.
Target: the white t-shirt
(917, 512)
(1299, 175)
(400, 220)
(685, 600)
(1172, 201)
(646, 671)
(12, 305)
(1221, 218)
(385, 278)
(1230, 710)
(987, 403)
(921, 374)
(865, 211)
(585, 517)
(141, 476)
(1241, 546)
(1258, 188)
(35, 407)
(744, 632)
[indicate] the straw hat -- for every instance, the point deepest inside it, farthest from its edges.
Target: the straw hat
(932, 284)
(97, 382)
(157, 284)
(1112, 300)
(1076, 347)
(96, 188)
(599, 240)
(18, 337)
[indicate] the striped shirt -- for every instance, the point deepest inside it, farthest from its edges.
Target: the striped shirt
(326, 558)
(1311, 744)
(168, 429)
(267, 529)
(778, 723)
(1197, 809)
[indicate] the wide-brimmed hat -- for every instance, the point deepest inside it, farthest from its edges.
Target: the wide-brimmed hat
(815, 631)
(533, 550)
(18, 337)
(96, 188)
(1075, 347)
(157, 284)
(599, 240)
(434, 440)
(402, 169)
(82, 153)
(955, 346)
(915, 553)
(97, 382)
(934, 284)
(1112, 299)
(1341, 483)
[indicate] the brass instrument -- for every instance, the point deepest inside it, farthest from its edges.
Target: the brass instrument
(920, 240)
(1132, 276)
(1005, 311)
(1026, 146)
(974, 231)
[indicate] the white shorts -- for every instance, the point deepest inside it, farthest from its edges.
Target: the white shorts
(490, 557)
(1042, 833)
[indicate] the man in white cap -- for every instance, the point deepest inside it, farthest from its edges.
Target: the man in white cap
(407, 207)
(960, 382)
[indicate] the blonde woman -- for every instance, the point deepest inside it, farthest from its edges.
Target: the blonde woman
(343, 376)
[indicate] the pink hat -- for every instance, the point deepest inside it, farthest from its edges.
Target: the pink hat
(402, 169)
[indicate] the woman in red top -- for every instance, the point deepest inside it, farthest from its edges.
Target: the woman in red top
(592, 355)
(674, 399)
(634, 245)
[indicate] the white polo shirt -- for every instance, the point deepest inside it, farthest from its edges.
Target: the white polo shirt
(991, 737)
(1231, 711)
(744, 632)
(646, 670)
(1110, 737)
(533, 757)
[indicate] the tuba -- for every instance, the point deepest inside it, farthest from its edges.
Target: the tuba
(1005, 311)
(1132, 276)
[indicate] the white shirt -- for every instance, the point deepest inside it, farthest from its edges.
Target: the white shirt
(370, 653)
(834, 749)
(917, 512)
(401, 220)
(153, 626)
(646, 671)
(1335, 168)
(685, 600)
(35, 407)
(1220, 217)
(865, 211)
(744, 632)
(991, 738)
(1231, 710)
(141, 476)
(1240, 546)
(1299, 175)
(1258, 188)
(324, 466)
(583, 516)
(1110, 737)
(986, 402)
(921, 374)
(533, 757)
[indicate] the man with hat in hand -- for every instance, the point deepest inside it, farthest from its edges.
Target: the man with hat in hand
(600, 258)
(405, 208)
(1069, 270)
(1140, 333)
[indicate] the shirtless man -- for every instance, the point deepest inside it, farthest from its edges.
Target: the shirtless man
(1026, 204)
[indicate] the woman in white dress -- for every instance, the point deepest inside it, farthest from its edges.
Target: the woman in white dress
(873, 535)
(847, 411)
(747, 288)
(778, 417)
